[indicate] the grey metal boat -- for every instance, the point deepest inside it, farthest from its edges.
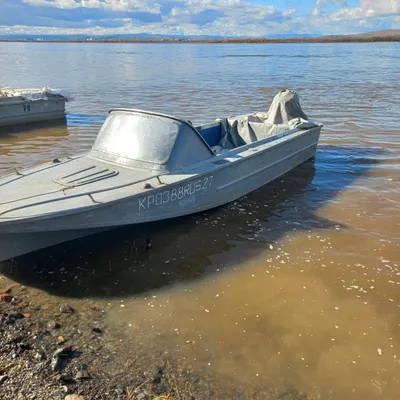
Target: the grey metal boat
(23, 106)
(146, 166)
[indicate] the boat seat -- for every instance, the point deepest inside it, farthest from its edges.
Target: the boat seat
(211, 133)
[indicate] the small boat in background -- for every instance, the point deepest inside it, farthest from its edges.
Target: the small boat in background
(145, 166)
(24, 106)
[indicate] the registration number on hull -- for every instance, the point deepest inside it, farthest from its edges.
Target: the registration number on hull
(178, 193)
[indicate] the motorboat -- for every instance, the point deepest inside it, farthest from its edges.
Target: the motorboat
(146, 166)
(24, 106)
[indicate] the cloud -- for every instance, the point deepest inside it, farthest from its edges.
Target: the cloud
(182, 15)
(365, 9)
(40, 13)
(111, 5)
(291, 11)
(368, 10)
(194, 17)
(179, 16)
(381, 7)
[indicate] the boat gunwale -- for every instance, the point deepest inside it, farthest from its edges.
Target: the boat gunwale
(13, 101)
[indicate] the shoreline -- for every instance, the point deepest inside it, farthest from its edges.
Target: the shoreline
(50, 350)
(214, 41)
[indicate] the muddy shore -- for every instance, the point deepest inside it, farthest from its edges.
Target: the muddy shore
(60, 355)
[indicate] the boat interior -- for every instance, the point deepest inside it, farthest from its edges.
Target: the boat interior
(284, 114)
(211, 133)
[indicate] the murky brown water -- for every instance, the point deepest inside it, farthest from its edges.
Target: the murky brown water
(295, 286)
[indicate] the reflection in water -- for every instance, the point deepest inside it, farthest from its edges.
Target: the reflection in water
(84, 120)
(182, 249)
(49, 126)
(295, 285)
(42, 142)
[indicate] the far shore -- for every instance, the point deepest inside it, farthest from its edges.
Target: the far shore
(337, 39)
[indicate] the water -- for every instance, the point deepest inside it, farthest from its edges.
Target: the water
(296, 285)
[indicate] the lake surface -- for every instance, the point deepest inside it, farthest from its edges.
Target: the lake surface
(298, 284)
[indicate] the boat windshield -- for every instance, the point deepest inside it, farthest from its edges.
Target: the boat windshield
(136, 136)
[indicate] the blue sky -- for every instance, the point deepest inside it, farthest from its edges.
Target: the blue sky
(198, 17)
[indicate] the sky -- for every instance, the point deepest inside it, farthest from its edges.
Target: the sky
(252, 18)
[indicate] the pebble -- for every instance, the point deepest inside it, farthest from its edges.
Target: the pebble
(73, 397)
(40, 355)
(97, 330)
(5, 297)
(53, 325)
(58, 356)
(82, 374)
(14, 317)
(15, 301)
(66, 309)
(66, 378)
(24, 346)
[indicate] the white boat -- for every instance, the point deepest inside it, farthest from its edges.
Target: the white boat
(23, 106)
(146, 166)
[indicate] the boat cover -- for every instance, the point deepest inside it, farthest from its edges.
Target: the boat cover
(284, 114)
(34, 94)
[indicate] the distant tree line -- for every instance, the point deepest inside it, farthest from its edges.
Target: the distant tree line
(323, 39)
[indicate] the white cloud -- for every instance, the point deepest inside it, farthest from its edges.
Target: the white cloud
(323, 3)
(193, 17)
(381, 7)
(112, 5)
(291, 11)
(369, 14)
(225, 17)
(320, 5)
(368, 9)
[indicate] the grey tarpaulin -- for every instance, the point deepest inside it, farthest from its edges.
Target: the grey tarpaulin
(284, 114)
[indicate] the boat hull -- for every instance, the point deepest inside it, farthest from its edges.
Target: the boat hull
(17, 244)
(204, 191)
(20, 111)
